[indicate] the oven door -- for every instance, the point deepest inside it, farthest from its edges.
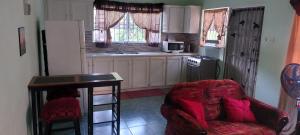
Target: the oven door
(193, 73)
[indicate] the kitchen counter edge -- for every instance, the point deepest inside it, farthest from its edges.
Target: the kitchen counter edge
(139, 54)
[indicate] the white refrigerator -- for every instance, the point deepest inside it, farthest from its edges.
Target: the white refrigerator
(65, 42)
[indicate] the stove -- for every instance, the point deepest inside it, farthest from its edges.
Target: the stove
(202, 68)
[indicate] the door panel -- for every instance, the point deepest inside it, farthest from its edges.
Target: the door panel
(123, 67)
(140, 72)
(173, 70)
(243, 47)
(157, 71)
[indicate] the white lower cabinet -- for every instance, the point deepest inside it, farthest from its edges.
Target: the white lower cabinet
(102, 65)
(123, 66)
(184, 68)
(157, 71)
(173, 70)
(140, 72)
(89, 64)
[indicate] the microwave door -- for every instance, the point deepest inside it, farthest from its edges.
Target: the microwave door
(173, 46)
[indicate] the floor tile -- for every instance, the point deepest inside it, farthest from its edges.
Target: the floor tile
(138, 121)
(139, 116)
(123, 124)
(125, 132)
(141, 130)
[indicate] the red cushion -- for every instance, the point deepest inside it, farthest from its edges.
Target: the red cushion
(61, 109)
(195, 109)
(212, 105)
(238, 110)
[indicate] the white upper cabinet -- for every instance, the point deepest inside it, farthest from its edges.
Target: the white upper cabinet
(173, 19)
(71, 10)
(192, 19)
(181, 19)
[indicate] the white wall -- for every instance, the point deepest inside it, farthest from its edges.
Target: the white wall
(16, 71)
(275, 38)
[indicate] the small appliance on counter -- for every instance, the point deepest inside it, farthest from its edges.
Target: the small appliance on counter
(173, 46)
(202, 68)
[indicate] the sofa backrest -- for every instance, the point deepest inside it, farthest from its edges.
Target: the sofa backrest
(209, 93)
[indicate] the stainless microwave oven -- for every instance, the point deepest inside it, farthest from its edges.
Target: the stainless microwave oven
(173, 46)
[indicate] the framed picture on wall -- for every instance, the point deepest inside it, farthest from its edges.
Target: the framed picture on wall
(22, 42)
(27, 7)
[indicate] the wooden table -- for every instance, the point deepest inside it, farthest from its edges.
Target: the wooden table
(39, 84)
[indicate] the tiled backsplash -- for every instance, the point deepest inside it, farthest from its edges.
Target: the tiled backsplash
(189, 39)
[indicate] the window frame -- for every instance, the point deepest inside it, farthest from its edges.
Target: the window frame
(127, 31)
(213, 43)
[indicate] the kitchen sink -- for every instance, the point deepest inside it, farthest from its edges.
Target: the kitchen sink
(122, 52)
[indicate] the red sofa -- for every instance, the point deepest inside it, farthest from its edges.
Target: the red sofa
(210, 92)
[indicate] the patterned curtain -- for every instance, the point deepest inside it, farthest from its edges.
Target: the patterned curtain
(217, 18)
(151, 23)
(128, 7)
(145, 16)
(220, 21)
(104, 20)
(208, 19)
(243, 44)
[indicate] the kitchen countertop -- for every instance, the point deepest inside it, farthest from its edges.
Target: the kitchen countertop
(139, 54)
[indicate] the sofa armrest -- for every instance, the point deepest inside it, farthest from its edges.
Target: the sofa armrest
(268, 115)
(182, 123)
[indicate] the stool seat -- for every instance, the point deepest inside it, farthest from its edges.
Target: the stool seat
(66, 108)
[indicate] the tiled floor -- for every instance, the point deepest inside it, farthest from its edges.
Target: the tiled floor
(139, 116)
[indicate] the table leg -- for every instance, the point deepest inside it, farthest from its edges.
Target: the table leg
(118, 107)
(34, 112)
(113, 110)
(39, 109)
(90, 111)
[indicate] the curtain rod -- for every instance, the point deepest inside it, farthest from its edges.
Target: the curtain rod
(218, 8)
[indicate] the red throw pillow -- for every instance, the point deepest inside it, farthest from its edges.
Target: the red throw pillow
(195, 109)
(238, 110)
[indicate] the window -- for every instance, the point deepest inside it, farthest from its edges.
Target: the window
(212, 36)
(126, 31)
(214, 27)
(99, 35)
